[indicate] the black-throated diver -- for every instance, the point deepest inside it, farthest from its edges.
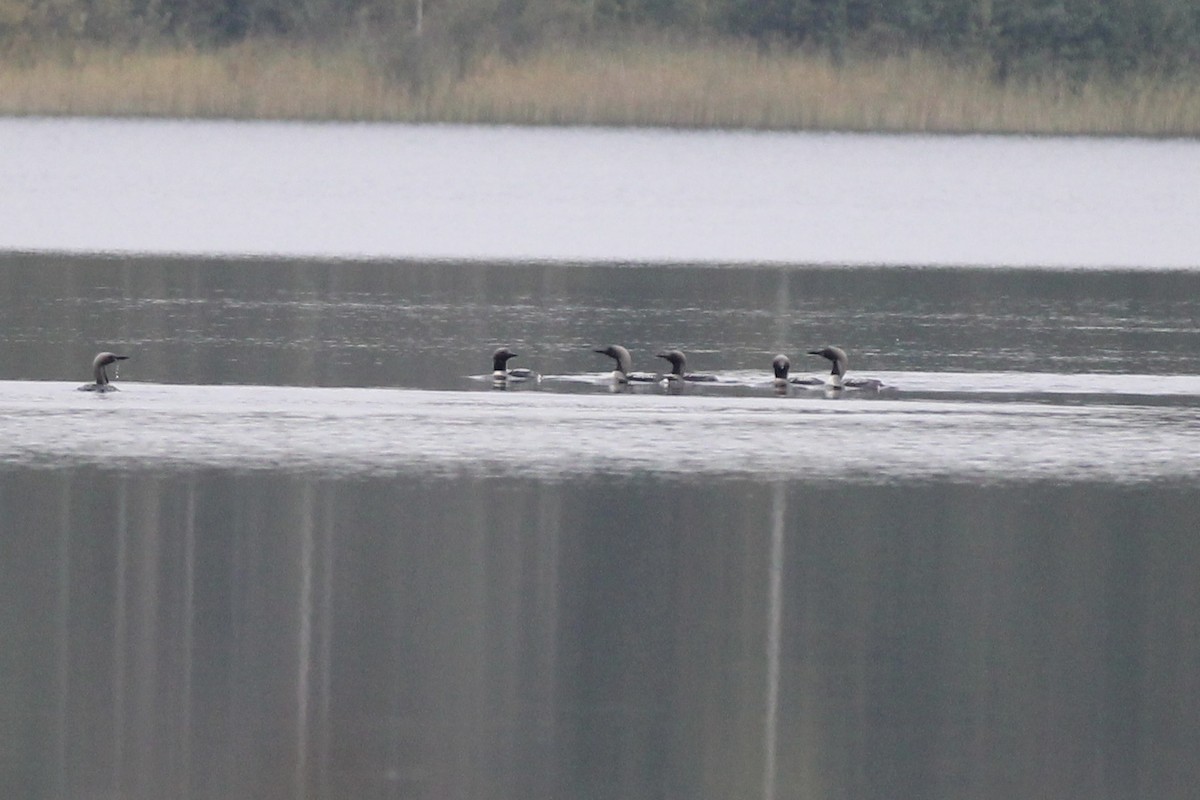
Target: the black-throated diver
(624, 372)
(100, 374)
(501, 372)
(837, 376)
(679, 368)
(782, 365)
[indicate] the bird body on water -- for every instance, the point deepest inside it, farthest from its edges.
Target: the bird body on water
(100, 374)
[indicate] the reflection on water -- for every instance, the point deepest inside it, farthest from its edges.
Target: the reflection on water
(307, 551)
(813, 435)
(214, 635)
(430, 326)
(587, 194)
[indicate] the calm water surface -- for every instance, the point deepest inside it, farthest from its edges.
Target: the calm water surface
(309, 550)
(397, 191)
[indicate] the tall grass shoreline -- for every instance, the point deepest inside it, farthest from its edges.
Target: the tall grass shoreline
(707, 85)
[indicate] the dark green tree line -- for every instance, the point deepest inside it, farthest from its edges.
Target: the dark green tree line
(1029, 37)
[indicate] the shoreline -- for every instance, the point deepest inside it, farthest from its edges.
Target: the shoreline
(698, 86)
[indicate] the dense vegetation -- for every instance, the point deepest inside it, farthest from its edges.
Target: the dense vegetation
(1076, 39)
(1109, 67)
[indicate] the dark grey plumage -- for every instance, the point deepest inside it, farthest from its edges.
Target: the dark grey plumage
(840, 363)
(624, 365)
(501, 372)
(100, 373)
(679, 368)
(782, 365)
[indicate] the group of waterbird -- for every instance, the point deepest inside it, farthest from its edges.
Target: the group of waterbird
(624, 373)
(837, 375)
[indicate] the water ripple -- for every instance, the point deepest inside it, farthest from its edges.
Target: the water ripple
(546, 434)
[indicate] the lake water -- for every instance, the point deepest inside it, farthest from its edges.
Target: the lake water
(388, 191)
(309, 550)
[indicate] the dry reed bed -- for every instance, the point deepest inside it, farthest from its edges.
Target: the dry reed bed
(703, 86)
(242, 82)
